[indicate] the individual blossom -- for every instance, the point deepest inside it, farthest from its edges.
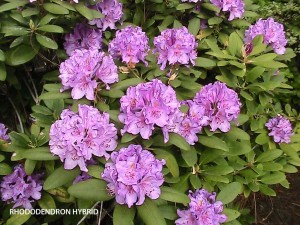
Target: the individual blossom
(3, 132)
(112, 11)
(203, 209)
(146, 105)
(131, 44)
(175, 46)
(221, 105)
(236, 8)
(280, 128)
(21, 189)
(133, 174)
(76, 137)
(272, 32)
(83, 71)
(83, 37)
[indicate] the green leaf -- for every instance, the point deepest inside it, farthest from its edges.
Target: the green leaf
(264, 57)
(13, 5)
(214, 20)
(46, 42)
(229, 192)
(210, 7)
(123, 215)
(54, 95)
(168, 211)
(173, 195)
(51, 28)
(231, 214)
(2, 56)
(171, 161)
(96, 190)
(29, 166)
(273, 178)
(124, 84)
(55, 9)
(213, 142)
(185, 6)
(41, 153)
(238, 133)
(2, 72)
(235, 44)
(20, 55)
(246, 95)
(194, 26)
(269, 155)
(218, 170)
(19, 139)
(150, 213)
(5, 169)
(112, 93)
(262, 139)
(254, 73)
(18, 219)
(205, 62)
(190, 157)
(179, 141)
(60, 177)
(195, 181)
(127, 137)
(46, 19)
(47, 202)
(83, 10)
(95, 171)
(239, 148)
(267, 190)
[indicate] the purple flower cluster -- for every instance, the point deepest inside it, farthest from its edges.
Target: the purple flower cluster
(146, 105)
(75, 138)
(21, 189)
(236, 8)
(203, 209)
(82, 70)
(175, 46)
(131, 43)
(3, 132)
(273, 34)
(83, 37)
(190, 124)
(280, 128)
(133, 174)
(112, 11)
(220, 104)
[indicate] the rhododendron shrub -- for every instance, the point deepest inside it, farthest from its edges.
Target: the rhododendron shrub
(152, 112)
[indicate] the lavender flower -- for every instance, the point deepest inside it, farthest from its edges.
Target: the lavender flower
(75, 138)
(131, 43)
(83, 37)
(3, 132)
(146, 105)
(221, 105)
(21, 189)
(236, 8)
(133, 174)
(203, 209)
(112, 11)
(273, 34)
(191, 123)
(175, 46)
(82, 70)
(280, 128)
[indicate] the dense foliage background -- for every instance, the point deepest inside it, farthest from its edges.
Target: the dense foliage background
(233, 164)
